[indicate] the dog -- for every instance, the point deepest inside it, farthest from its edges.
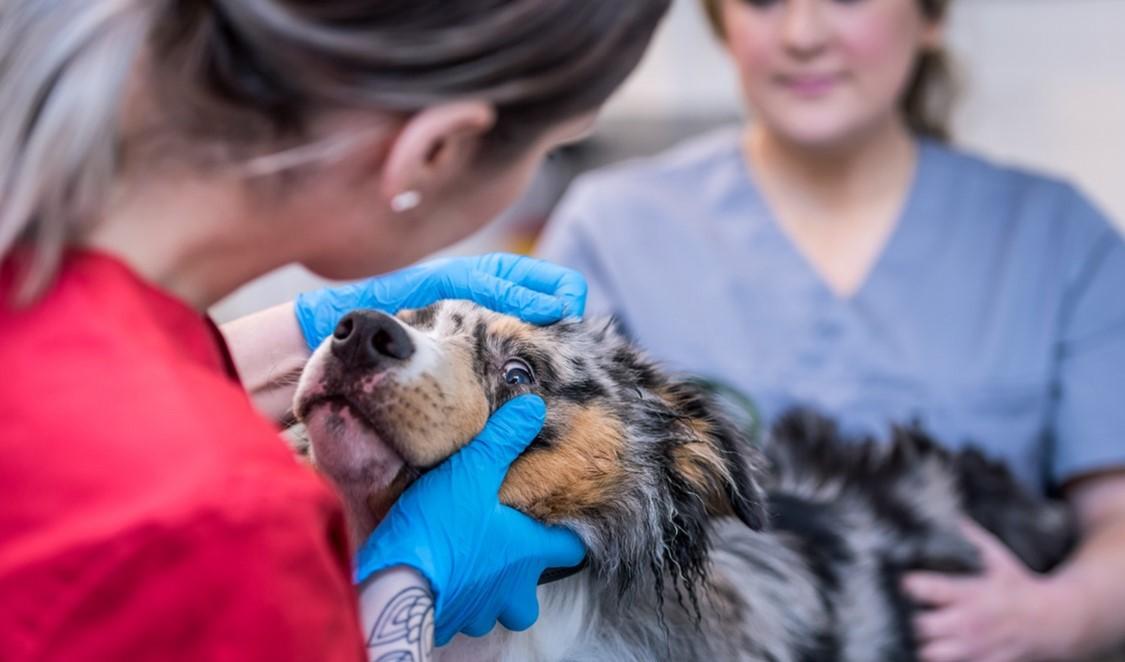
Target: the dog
(701, 545)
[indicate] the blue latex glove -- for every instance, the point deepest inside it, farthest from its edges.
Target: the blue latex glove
(482, 559)
(533, 290)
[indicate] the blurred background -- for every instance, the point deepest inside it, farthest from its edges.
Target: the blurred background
(1043, 86)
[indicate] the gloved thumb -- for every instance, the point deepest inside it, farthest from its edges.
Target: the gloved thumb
(508, 432)
(562, 548)
(554, 546)
(522, 607)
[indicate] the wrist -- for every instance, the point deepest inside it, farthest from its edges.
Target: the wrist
(397, 615)
(383, 554)
(307, 308)
(269, 352)
(397, 574)
(1062, 625)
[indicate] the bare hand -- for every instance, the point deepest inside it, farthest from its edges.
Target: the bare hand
(1005, 614)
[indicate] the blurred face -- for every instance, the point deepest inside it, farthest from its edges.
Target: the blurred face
(352, 237)
(821, 73)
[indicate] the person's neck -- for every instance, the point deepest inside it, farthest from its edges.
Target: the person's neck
(868, 166)
(192, 238)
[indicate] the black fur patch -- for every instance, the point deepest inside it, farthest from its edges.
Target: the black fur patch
(817, 535)
(890, 575)
(546, 438)
(824, 647)
(626, 367)
(423, 318)
(480, 351)
(541, 363)
(582, 392)
(686, 540)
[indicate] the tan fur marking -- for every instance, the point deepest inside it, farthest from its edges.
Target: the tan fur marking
(582, 470)
(703, 430)
(701, 463)
(440, 414)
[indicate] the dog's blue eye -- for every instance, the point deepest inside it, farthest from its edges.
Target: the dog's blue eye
(517, 373)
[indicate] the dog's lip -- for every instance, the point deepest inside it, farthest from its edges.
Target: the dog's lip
(377, 431)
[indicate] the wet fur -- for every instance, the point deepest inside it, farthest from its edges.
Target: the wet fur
(701, 547)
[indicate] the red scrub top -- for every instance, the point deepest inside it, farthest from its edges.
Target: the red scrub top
(146, 510)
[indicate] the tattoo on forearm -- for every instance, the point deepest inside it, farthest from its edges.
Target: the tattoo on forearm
(404, 631)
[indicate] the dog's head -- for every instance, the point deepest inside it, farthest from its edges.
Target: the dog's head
(633, 460)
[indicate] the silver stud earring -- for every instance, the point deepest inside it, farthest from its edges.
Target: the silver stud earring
(405, 201)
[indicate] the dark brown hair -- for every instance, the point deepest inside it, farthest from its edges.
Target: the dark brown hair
(271, 65)
(927, 103)
(235, 79)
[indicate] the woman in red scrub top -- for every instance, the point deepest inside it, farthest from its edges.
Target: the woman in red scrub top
(154, 156)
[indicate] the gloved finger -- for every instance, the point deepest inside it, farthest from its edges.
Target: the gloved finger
(422, 285)
(443, 633)
(319, 311)
(554, 546)
(508, 432)
(505, 297)
(413, 287)
(542, 276)
(563, 548)
(522, 608)
(479, 626)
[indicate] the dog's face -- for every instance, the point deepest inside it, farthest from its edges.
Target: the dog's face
(634, 461)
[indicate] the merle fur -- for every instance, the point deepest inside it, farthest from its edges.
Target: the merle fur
(789, 554)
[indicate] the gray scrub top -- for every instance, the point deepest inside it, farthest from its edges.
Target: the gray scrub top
(995, 314)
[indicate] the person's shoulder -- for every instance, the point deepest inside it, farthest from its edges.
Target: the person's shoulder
(679, 171)
(989, 177)
(1006, 192)
(988, 170)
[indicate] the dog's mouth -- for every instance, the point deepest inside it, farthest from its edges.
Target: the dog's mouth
(354, 450)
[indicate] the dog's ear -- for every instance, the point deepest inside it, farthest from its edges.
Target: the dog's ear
(711, 458)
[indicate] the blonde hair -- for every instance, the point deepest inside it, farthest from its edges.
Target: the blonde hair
(243, 77)
(928, 101)
(63, 70)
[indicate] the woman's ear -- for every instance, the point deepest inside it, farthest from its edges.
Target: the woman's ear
(434, 146)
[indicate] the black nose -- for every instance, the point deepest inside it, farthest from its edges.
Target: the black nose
(367, 338)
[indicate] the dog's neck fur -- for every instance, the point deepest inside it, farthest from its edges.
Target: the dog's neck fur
(585, 618)
(572, 625)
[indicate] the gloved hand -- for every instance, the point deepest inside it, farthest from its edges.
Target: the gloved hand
(482, 559)
(533, 290)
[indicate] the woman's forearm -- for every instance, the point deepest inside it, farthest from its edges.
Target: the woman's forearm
(269, 351)
(1091, 586)
(397, 616)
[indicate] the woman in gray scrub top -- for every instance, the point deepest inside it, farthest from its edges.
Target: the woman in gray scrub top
(836, 253)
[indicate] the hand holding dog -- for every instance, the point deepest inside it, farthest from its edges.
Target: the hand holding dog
(482, 559)
(533, 290)
(1006, 614)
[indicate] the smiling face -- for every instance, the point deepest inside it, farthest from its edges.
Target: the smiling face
(821, 72)
(623, 444)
